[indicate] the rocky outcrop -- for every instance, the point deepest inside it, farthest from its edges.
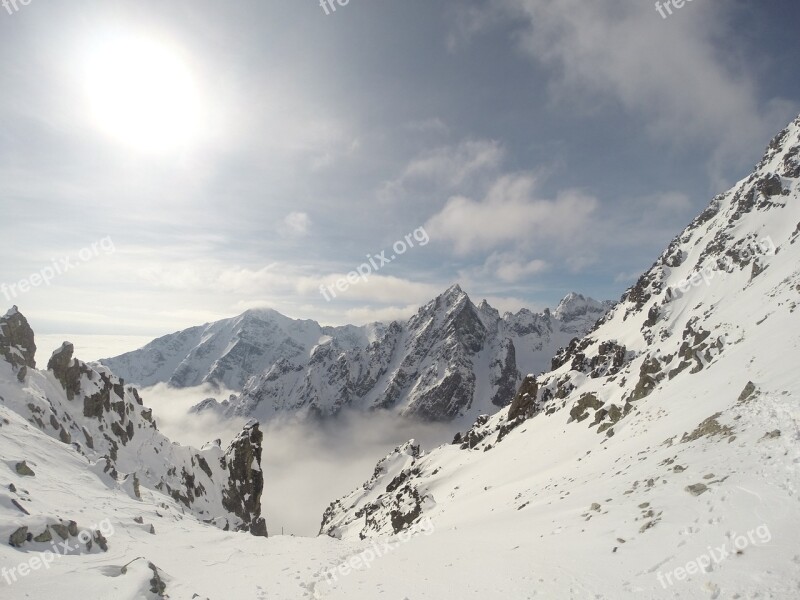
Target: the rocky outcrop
(106, 421)
(397, 502)
(67, 370)
(242, 496)
(524, 403)
(16, 340)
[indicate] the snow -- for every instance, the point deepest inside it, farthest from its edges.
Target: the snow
(694, 496)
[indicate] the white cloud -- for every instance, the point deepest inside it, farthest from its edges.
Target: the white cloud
(447, 167)
(452, 165)
(510, 213)
(381, 289)
(507, 267)
(367, 314)
(670, 72)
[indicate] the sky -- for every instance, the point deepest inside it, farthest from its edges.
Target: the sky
(166, 164)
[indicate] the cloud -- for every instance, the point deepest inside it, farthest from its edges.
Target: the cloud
(368, 314)
(314, 464)
(669, 72)
(297, 224)
(452, 165)
(382, 289)
(467, 21)
(507, 267)
(511, 213)
(447, 167)
(171, 408)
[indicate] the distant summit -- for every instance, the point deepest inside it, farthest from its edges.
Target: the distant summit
(451, 360)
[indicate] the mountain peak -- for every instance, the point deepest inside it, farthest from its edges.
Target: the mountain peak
(454, 290)
(575, 305)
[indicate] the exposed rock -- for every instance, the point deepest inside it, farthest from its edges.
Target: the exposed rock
(697, 489)
(708, 428)
(45, 536)
(61, 530)
(748, 393)
(524, 403)
(16, 340)
(101, 541)
(242, 496)
(19, 507)
(771, 185)
(24, 470)
(476, 434)
(157, 585)
(19, 537)
(579, 411)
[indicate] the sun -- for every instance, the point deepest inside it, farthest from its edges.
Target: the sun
(142, 93)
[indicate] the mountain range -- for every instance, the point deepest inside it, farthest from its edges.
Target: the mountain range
(451, 360)
(655, 456)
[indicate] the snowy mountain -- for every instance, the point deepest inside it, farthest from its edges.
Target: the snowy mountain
(224, 353)
(451, 360)
(657, 458)
(104, 424)
(662, 447)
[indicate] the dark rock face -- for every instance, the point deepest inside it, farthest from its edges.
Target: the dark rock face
(579, 412)
(524, 403)
(505, 374)
(67, 370)
(242, 497)
(24, 470)
(157, 585)
(476, 434)
(16, 340)
(19, 537)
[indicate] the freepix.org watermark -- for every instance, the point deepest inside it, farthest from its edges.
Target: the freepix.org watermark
(329, 6)
(363, 560)
(375, 263)
(665, 8)
(735, 544)
(59, 549)
(764, 247)
(58, 267)
(13, 6)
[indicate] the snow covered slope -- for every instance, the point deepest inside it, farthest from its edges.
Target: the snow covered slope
(451, 360)
(105, 422)
(227, 352)
(667, 437)
(657, 459)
